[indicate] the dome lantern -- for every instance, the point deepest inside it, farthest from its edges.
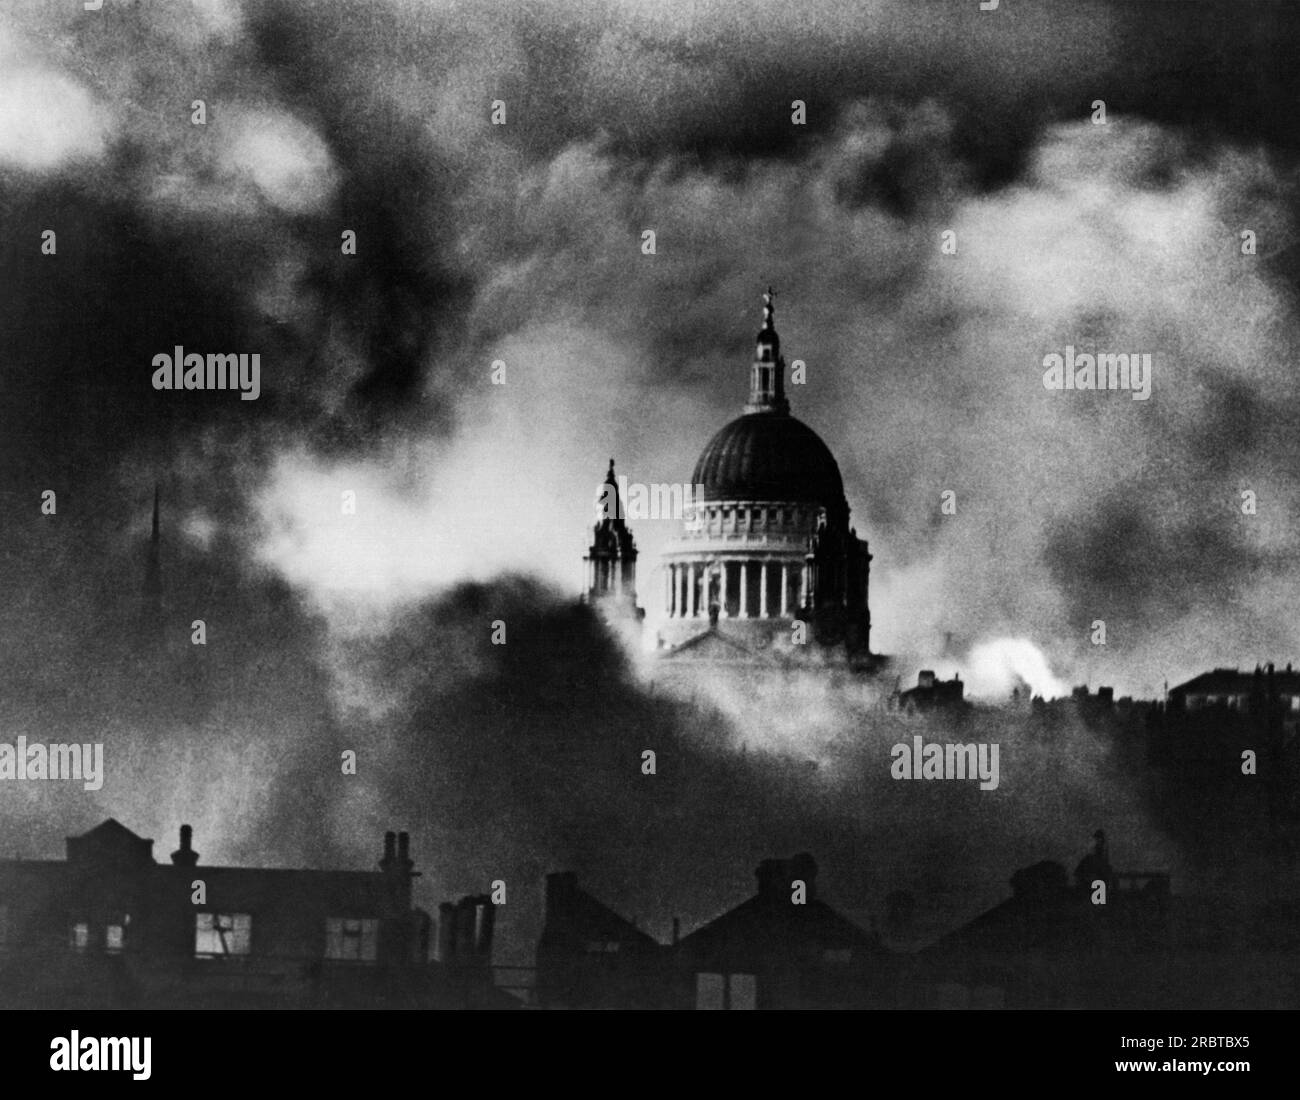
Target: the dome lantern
(767, 375)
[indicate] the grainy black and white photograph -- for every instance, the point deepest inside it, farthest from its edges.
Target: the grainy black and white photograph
(679, 505)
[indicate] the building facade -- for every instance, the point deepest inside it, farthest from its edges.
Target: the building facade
(771, 544)
(782, 948)
(766, 574)
(110, 927)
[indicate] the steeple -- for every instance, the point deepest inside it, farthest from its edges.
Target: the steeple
(608, 501)
(149, 609)
(611, 559)
(767, 375)
(153, 566)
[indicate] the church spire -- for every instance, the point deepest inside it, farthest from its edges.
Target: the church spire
(609, 497)
(611, 559)
(149, 609)
(767, 375)
(153, 566)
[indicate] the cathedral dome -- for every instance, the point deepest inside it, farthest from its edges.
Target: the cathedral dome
(769, 456)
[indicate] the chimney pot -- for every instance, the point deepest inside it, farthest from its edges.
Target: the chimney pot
(404, 846)
(185, 855)
(446, 933)
(561, 888)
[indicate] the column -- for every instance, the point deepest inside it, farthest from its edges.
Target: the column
(762, 591)
(679, 575)
(785, 590)
(668, 591)
(803, 587)
(744, 590)
(690, 590)
(722, 593)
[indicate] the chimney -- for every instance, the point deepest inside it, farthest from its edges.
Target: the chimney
(561, 889)
(677, 930)
(487, 916)
(446, 933)
(926, 678)
(404, 860)
(185, 855)
(390, 842)
(465, 938)
(804, 867)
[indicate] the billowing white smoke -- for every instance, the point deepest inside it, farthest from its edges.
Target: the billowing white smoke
(999, 666)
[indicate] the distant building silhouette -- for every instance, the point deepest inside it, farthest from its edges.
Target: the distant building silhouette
(1054, 944)
(772, 951)
(1210, 720)
(931, 693)
(1264, 694)
(590, 957)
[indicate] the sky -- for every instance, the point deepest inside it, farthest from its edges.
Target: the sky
(520, 244)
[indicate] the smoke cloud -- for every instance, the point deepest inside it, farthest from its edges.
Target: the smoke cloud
(521, 244)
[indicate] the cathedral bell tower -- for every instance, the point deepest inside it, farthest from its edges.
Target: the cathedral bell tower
(611, 559)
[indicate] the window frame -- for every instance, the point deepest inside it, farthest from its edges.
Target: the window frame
(345, 935)
(220, 932)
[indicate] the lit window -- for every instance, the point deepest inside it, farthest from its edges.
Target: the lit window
(80, 936)
(114, 938)
(222, 933)
(718, 991)
(353, 940)
(709, 991)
